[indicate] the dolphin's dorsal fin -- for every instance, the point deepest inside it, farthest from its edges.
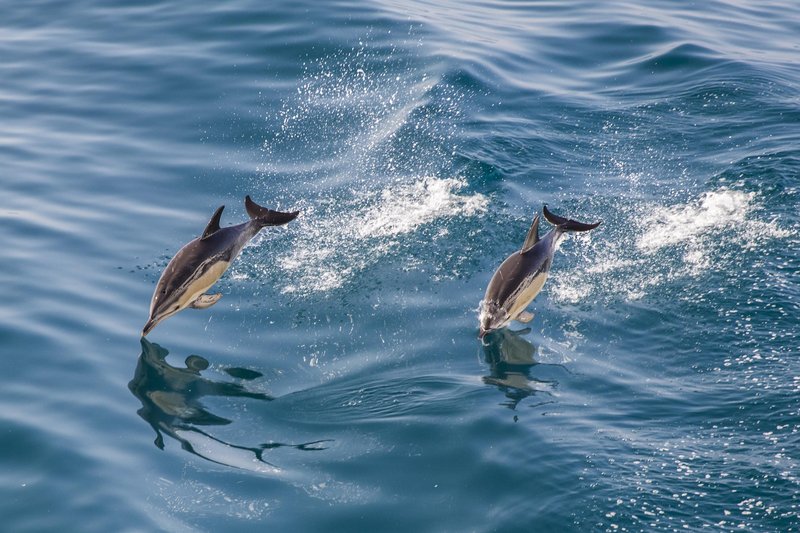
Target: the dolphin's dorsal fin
(213, 224)
(533, 235)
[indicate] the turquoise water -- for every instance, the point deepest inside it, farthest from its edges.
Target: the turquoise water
(339, 385)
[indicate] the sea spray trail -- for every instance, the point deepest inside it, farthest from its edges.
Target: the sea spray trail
(653, 245)
(358, 119)
(382, 125)
(334, 248)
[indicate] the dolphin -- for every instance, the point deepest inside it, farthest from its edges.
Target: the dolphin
(200, 263)
(522, 275)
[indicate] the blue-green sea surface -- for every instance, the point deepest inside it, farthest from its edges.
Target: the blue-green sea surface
(339, 384)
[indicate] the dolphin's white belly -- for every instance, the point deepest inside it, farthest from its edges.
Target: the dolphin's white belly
(526, 295)
(203, 283)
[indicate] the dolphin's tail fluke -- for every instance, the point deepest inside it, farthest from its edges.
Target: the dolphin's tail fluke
(565, 224)
(267, 217)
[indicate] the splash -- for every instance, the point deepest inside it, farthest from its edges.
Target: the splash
(368, 138)
(659, 244)
(404, 209)
(362, 114)
(333, 248)
(716, 211)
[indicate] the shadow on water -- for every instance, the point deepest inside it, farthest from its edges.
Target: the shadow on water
(511, 360)
(171, 404)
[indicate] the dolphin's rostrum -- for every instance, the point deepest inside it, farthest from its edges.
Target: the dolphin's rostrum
(200, 263)
(522, 275)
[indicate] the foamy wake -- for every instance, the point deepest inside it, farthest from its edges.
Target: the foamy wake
(661, 244)
(336, 242)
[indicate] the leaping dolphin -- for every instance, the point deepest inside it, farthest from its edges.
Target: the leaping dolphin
(522, 275)
(199, 264)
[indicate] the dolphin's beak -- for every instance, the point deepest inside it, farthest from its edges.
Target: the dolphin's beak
(149, 327)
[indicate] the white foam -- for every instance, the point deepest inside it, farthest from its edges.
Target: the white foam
(669, 243)
(331, 249)
(667, 226)
(402, 210)
(720, 217)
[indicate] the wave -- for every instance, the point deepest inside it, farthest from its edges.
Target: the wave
(359, 115)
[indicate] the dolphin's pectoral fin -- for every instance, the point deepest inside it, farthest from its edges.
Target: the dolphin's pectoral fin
(206, 300)
(525, 317)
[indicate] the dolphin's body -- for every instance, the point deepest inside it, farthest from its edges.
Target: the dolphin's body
(199, 264)
(522, 275)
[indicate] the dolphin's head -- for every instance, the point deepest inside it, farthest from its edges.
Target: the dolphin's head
(163, 306)
(491, 317)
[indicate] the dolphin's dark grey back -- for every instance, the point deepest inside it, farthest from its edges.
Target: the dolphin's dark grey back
(519, 266)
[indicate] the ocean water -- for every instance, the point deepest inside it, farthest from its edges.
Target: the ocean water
(339, 384)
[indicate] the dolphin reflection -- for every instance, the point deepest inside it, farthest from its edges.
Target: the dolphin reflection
(511, 358)
(171, 404)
